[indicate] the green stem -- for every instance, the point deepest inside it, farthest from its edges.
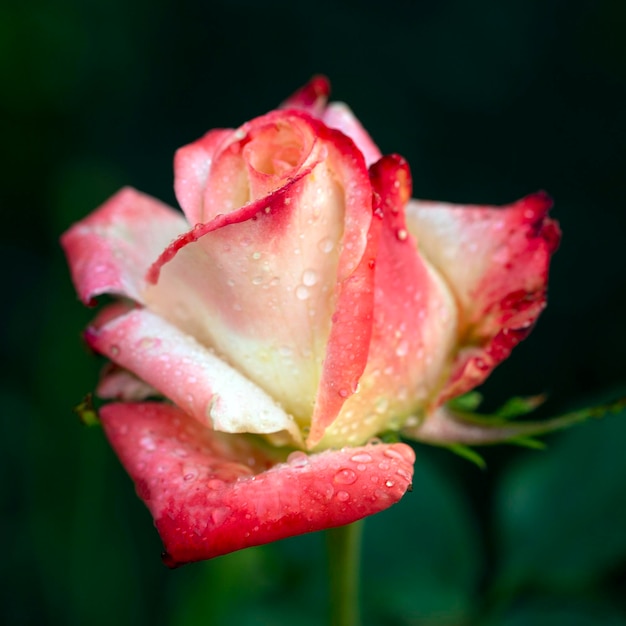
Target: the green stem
(344, 545)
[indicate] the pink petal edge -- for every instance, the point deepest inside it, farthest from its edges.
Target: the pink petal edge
(188, 374)
(496, 261)
(111, 249)
(211, 494)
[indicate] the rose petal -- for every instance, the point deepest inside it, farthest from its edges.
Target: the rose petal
(253, 287)
(211, 494)
(192, 164)
(188, 374)
(119, 384)
(111, 250)
(311, 98)
(496, 260)
(414, 323)
(338, 115)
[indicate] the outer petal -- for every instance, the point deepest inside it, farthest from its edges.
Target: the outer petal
(111, 250)
(188, 374)
(338, 115)
(496, 262)
(311, 98)
(211, 494)
(253, 286)
(414, 323)
(192, 164)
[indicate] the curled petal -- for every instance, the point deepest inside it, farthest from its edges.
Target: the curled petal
(311, 98)
(189, 374)
(495, 260)
(111, 250)
(414, 322)
(251, 285)
(192, 164)
(211, 494)
(338, 115)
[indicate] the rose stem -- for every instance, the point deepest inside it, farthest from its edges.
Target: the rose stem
(344, 543)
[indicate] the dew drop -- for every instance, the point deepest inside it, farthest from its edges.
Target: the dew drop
(342, 496)
(302, 293)
(390, 453)
(189, 476)
(216, 483)
(326, 245)
(309, 278)
(401, 234)
(257, 280)
(298, 458)
(389, 483)
(345, 477)
(362, 457)
(256, 256)
(115, 350)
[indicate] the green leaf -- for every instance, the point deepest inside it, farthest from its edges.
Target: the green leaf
(467, 453)
(561, 516)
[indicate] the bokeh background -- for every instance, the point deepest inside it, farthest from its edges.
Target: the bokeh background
(488, 100)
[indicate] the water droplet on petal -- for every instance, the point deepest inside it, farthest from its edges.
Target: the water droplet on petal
(326, 245)
(302, 293)
(216, 483)
(189, 476)
(389, 483)
(342, 496)
(257, 280)
(390, 453)
(361, 457)
(298, 458)
(345, 477)
(309, 278)
(115, 350)
(401, 234)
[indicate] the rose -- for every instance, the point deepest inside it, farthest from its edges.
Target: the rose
(295, 313)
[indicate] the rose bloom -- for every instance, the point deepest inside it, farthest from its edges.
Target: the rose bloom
(301, 306)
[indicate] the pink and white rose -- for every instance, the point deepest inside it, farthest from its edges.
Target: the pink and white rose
(301, 305)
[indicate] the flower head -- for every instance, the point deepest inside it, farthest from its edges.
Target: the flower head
(301, 306)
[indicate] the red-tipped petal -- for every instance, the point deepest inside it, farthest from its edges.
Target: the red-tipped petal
(414, 322)
(192, 164)
(496, 261)
(189, 374)
(311, 98)
(111, 250)
(211, 494)
(339, 116)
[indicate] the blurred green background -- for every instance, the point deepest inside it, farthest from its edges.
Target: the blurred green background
(488, 101)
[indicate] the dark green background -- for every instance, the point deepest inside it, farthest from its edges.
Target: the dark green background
(488, 101)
